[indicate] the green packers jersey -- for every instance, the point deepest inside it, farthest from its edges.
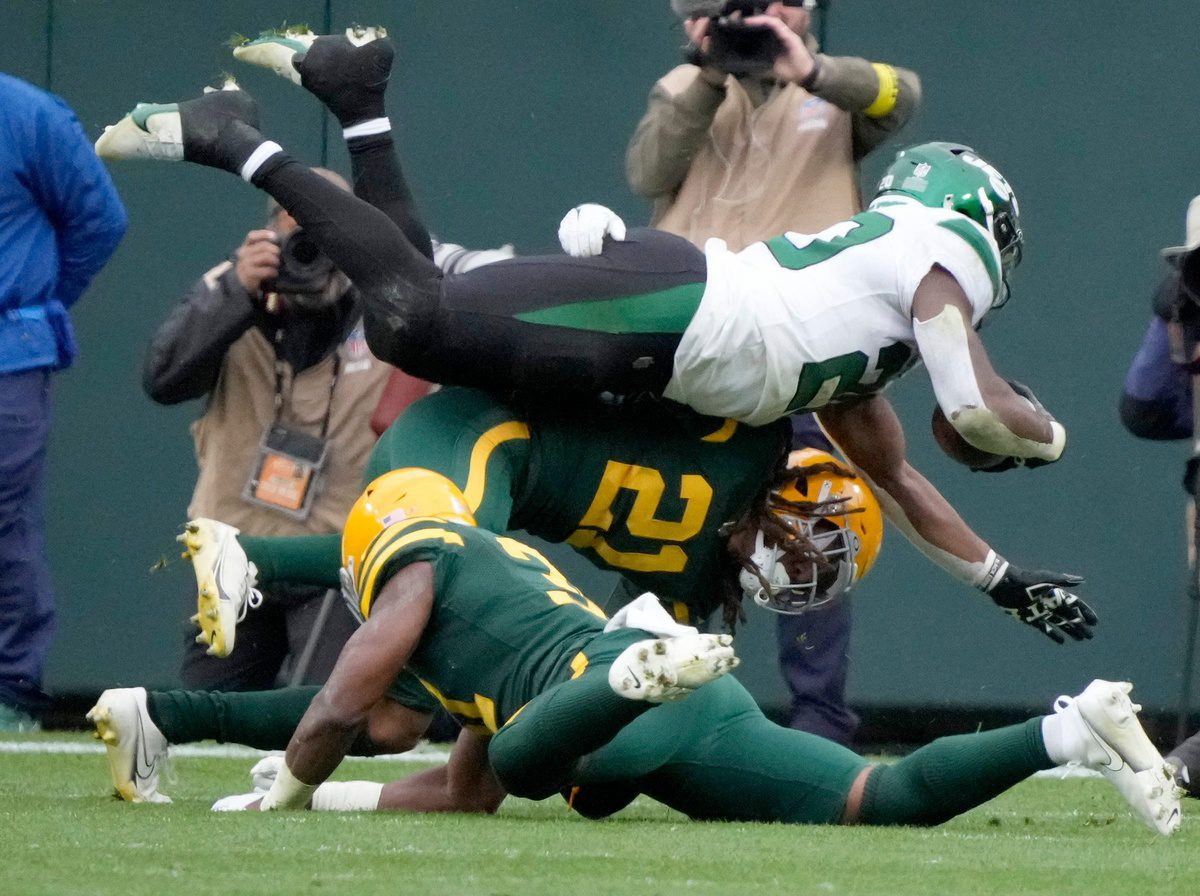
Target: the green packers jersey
(641, 489)
(505, 623)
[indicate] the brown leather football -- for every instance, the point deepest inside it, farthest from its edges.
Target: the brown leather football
(957, 448)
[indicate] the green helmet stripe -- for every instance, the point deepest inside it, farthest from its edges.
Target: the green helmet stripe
(982, 246)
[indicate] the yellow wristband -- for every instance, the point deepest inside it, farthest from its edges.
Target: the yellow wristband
(889, 87)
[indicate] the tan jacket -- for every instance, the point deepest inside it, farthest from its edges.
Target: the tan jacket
(754, 159)
(240, 410)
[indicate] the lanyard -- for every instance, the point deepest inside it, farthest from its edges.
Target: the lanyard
(279, 376)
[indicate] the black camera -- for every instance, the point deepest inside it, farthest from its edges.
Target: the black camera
(303, 268)
(738, 48)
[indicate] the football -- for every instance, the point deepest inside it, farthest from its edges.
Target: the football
(957, 448)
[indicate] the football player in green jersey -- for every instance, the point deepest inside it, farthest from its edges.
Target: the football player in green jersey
(605, 710)
(651, 490)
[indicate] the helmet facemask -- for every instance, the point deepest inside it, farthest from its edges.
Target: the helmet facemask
(824, 578)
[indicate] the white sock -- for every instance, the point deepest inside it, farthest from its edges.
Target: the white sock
(347, 796)
(1054, 737)
(265, 150)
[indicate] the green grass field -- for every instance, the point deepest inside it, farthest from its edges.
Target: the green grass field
(61, 832)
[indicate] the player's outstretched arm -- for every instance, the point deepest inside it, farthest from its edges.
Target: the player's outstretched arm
(465, 783)
(869, 434)
(368, 665)
(983, 407)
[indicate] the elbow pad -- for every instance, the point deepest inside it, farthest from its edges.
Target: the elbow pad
(982, 428)
(942, 341)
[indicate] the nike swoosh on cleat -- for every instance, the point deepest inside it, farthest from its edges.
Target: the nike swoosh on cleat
(142, 758)
(1115, 762)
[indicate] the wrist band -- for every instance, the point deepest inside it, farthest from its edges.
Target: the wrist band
(288, 792)
(991, 571)
(889, 88)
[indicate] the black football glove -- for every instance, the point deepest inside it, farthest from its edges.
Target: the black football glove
(1036, 597)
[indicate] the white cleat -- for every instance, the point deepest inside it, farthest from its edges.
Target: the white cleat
(1104, 721)
(659, 670)
(135, 746)
(278, 52)
(150, 131)
(225, 581)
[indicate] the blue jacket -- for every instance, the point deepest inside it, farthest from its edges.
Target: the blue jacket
(60, 221)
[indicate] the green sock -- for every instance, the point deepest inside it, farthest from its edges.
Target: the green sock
(298, 559)
(952, 775)
(262, 719)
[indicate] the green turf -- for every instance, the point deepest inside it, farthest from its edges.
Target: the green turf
(62, 833)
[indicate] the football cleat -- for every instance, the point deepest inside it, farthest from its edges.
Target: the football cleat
(277, 51)
(225, 581)
(218, 129)
(135, 746)
(659, 670)
(1109, 738)
(347, 72)
(150, 131)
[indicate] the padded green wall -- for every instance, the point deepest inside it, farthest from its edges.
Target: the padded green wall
(509, 113)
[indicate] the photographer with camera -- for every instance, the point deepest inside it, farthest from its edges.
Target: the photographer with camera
(757, 135)
(760, 133)
(272, 339)
(1157, 402)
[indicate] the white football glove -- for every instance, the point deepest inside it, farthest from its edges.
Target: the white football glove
(265, 771)
(583, 229)
(236, 803)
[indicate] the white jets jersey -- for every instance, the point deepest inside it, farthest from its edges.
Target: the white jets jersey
(797, 322)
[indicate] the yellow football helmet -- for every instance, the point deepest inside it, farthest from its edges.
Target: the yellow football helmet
(408, 493)
(847, 528)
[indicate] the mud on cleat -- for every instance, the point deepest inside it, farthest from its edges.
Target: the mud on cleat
(1105, 723)
(225, 581)
(347, 72)
(277, 51)
(659, 670)
(136, 748)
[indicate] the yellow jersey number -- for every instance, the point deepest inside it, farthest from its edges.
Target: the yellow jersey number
(643, 521)
(563, 593)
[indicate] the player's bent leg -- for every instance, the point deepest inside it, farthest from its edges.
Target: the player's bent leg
(535, 754)
(135, 747)
(225, 581)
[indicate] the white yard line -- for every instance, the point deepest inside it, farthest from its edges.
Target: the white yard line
(423, 753)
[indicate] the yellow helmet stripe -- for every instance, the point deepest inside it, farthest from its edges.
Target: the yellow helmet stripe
(375, 559)
(481, 453)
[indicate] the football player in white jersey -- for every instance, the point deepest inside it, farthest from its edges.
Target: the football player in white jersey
(817, 323)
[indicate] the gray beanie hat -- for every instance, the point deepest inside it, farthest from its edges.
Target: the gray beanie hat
(694, 9)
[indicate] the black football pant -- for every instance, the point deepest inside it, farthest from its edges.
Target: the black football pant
(542, 323)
